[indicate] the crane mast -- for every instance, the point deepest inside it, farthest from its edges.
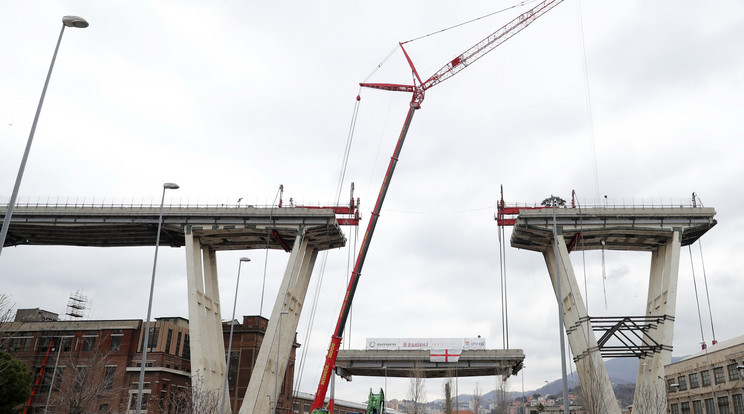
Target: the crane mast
(417, 89)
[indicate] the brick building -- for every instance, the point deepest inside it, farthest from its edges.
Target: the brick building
(95, 364)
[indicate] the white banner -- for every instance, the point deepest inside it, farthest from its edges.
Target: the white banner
(395, 344)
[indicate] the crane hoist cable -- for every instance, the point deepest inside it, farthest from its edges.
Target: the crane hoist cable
(417, 89)
(588, 97)
(502, 275)
(324, 258)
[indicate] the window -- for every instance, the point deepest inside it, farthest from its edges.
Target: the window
(705, 377)
(718, 374)
(81, 378)
(178, 344)
(186, 347)
(738, 404)
(115, 343)
(108, 379)
(685, 408)
(168, 340)
(16, 344)
(733, 373)
(723, 405)
(670, 382)
(697, 407)
(694, 383)
(152, 341)
(682, 381)
(89, 343)
(44, 344)
(233, 374)
(103, 408)
(710, 407)
(675, 409)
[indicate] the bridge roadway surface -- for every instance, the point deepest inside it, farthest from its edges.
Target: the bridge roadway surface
(409, 363)
(621, 228)
(219, 227)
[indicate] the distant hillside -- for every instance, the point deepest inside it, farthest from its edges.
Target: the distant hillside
(622, 372)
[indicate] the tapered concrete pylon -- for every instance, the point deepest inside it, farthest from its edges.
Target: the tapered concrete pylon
(595, 382)
(205, 319)
(271, 362)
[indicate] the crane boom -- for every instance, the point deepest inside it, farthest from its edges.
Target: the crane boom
(418, 88)
(489, 43)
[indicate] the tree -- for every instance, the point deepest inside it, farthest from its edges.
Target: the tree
(416, 390)
(448, 397)
(650, 398)
(85, 385)
(477, 398)
(6, 316)
(502, 396)
(15, 380)
(194, 399)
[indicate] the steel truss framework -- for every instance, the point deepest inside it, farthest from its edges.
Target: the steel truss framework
(631, 334)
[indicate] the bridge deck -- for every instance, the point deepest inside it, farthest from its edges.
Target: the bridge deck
(399, 363)
(222, 228)
(640, 229)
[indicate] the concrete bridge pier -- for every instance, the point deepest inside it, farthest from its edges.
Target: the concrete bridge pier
(205, 318)
(280, 332)
(662, 300)
(589, 364)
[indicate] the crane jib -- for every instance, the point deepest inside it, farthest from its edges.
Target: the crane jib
(449, 70)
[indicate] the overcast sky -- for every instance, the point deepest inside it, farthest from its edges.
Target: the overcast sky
(232, 99)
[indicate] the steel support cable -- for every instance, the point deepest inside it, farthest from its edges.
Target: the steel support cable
(324, 260)
(502, 260)
(588, 95)
(523, 3)
(697, 300)
(266, 257)
(347, 149)
(707, 294)
(705, 276)
(583, 265)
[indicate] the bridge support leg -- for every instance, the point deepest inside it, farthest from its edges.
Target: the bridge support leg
(205, 320)
(595, 382)
(259, 397)
(662, 300)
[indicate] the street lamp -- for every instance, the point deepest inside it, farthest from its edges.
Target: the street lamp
(232, 325)
(676, 388)
(555, 202)
(67, 21)
(278, 347)
(145, 341)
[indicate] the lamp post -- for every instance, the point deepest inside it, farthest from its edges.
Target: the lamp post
(676, 388)
(145, 341)
(556, 202)
(278, 347)
(232, 325)
(67, 21)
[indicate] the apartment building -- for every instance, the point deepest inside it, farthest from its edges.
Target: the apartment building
(708, 382)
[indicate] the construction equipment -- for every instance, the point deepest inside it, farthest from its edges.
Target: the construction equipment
(376, 402)
(417, 89)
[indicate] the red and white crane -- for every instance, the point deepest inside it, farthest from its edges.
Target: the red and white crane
(418, 89)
